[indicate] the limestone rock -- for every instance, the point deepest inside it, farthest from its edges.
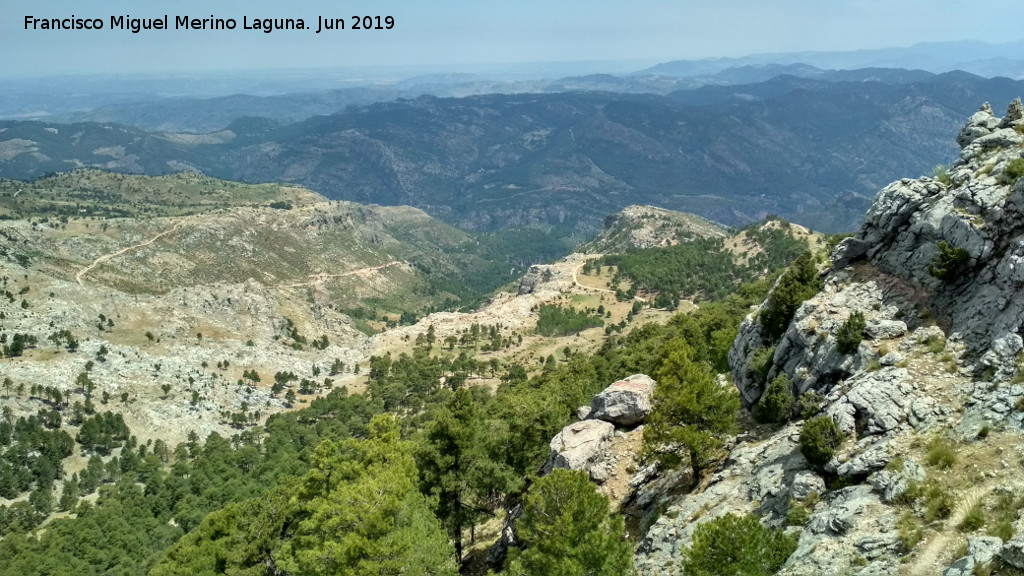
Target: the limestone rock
(1014, 114)
(892, 484)
(534, 277)
(582, 446)
(805, 483)
(1013, 551)
(885, 329)
(624, 403)
(980, 551)
(980, 124)
(876, 402)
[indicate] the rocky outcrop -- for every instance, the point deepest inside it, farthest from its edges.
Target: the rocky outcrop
(849, 526)
(894, 266)
(537, 274)
(756, 477)
(937, 272)
(624, 403)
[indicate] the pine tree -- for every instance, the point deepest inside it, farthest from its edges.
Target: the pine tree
(567, 530)
(690, 410)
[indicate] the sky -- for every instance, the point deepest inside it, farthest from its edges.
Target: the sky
(464, 32)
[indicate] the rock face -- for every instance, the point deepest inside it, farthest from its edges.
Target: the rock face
(582, 446)
(534, 277)
(624, 403)
(893, 265)
(937, 271)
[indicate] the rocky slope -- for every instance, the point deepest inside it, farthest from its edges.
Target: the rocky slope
(929, 398)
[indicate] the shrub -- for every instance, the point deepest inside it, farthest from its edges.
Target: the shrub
(948, 265)
(909, 530)
(940, 453)
(761, 362)
(798, 515)
(936, 500)
(819, 439)
(737, 546)
(974, 519)
(941, 173)
(1014, 170)
(851, 333)
(777, 403)
(810, 403)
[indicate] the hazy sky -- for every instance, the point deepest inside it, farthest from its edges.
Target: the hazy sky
(483, 31)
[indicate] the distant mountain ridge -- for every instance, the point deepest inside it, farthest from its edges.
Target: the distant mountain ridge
(809, 150)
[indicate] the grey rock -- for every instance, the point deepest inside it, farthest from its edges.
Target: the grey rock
(980, 551)
(877, 545)
(885, 329)
(1001, 358)
(841, 514)
(868, 456)
(582, 446)
(882, 567)
(1014, 114)
(847, 251)
(624, 403)
(805, 483)
(497, 553)
(892, 359)
(534, 277)
(1013, 551)
(891, 484)
(582, 412)
(880, 400)
(980, 124)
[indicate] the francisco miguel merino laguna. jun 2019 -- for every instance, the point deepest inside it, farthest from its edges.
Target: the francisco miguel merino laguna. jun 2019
(265, 25)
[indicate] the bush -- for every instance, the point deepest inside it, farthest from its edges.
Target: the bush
(941, 173)
(776, 404)
(1014, 171)
(810, 402)
(941, 453)
(851, 333)
(737, 546)
(909, 530)
(974, 519)
(819, 439)
(948, 265)
(797, 515)
(761, 362)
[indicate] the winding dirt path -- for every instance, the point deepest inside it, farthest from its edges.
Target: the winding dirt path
(107, 257)
(928, 562)
(321, 278)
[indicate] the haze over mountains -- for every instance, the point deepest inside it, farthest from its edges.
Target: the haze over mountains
(814, 150)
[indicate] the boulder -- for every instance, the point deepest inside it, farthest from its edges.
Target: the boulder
(1013, 552)
(805, 483)
(885, 329)
(980, 551)
(624, 403)
(582, 446)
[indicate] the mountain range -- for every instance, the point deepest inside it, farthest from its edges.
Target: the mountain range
(809, 149)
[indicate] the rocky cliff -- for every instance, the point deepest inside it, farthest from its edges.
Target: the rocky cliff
(911, 348)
